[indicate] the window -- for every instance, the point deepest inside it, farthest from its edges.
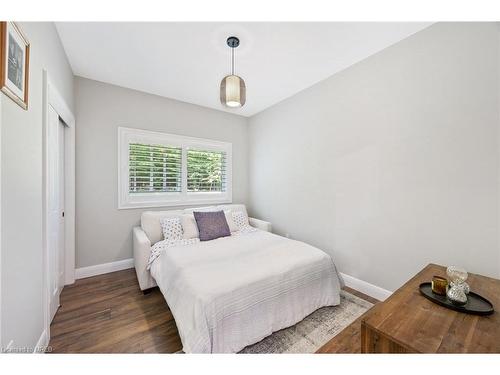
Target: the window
(154, 168)
(159, 169)
(206, 170)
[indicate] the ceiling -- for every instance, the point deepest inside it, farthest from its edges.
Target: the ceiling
(186, 61)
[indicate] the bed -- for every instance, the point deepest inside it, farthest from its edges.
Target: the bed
(231, 292)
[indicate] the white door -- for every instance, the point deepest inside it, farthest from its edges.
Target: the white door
(61, 245)
(55, 178)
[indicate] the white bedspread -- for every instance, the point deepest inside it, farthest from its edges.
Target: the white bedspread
(231, 292)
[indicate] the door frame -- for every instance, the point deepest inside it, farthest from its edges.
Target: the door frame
(52, 97)
(1, 337)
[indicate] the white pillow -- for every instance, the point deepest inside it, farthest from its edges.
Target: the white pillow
(230, 222)
(189, 226)
(171, 228)
(240, 219)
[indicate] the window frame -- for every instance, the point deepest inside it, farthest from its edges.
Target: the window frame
(128, 200)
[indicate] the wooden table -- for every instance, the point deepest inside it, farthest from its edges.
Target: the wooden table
(407, 322)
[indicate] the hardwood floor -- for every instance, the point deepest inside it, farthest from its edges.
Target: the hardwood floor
(349, 340)
(110, 314)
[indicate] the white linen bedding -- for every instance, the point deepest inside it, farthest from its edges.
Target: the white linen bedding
(228, 293)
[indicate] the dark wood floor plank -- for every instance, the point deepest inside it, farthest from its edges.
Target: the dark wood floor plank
(361, 295)
(109, 314)
(348, 341)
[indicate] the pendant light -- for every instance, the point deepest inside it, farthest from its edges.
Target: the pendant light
(232, 87)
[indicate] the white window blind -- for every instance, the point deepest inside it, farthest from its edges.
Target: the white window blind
(206, 171)
(154, 168)
(159, 169)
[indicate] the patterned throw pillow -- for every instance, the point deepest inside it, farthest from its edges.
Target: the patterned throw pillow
(240, 219)
(171, 228)
(230, 222)
(211, 225)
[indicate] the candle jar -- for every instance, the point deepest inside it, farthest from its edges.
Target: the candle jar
(439, 285)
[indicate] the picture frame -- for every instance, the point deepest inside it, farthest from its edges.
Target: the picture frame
(14, 63)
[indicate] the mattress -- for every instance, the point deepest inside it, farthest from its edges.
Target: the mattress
(231, 292)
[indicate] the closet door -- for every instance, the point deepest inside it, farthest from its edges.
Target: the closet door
(55, 178)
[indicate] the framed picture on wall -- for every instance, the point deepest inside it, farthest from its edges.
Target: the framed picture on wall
(14, 65)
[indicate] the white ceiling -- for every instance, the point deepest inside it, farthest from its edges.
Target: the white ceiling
(186, 61)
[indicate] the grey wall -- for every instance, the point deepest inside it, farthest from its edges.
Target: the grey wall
(393, 162)
(398, 163)
(21, 190)
(104, 233)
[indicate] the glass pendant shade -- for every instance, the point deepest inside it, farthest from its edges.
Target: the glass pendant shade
(233, 91)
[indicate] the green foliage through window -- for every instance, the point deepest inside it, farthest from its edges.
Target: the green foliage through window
(206, 171)
(157, 168)
(154, 168)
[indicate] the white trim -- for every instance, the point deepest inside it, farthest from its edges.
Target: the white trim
(69, 204)
(352, 282)
(100, 269)
(498, 140)
(366, 288)
(52, 97)
(57, 102)
(42, 343)
(183, 198)
(1, 337)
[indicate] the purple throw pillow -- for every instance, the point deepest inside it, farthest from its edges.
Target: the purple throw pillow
(211, 225)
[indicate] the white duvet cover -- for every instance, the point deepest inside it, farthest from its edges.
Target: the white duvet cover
(231, 292)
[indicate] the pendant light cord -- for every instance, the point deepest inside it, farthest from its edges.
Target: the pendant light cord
(232, 61)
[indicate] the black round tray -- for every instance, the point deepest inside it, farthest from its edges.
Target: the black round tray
(476, 304)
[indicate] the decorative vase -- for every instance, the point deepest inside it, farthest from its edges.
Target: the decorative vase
(456, 274)
(461, 285)
(456, 295)
(458, 288)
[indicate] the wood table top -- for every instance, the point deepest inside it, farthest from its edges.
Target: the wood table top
(422, 326)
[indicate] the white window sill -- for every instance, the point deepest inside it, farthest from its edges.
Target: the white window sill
(191, 202)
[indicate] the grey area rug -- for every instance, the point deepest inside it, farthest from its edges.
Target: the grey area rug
(315, 330)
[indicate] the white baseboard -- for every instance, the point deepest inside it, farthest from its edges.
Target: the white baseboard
(99, 269)
(366, 288)
(352, 282)
(42, 343)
